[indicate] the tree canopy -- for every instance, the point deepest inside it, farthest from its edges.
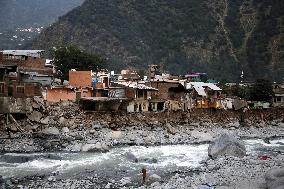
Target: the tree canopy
(261, 90)
(71, 57)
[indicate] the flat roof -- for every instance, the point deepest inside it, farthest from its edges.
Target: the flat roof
(22, 52)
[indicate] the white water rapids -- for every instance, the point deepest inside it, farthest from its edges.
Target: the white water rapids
(171, 157)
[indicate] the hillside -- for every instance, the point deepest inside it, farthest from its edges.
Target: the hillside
(221, 37)
(22, 20)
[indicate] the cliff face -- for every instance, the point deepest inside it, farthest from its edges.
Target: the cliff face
(221, 37)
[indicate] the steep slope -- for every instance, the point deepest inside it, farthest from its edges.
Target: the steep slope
(221, 37)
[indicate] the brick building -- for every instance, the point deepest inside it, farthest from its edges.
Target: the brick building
(27, 61)
(80, 79)
(11, 84)
(80, 85)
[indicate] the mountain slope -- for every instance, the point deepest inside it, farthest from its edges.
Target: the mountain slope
(221, 37)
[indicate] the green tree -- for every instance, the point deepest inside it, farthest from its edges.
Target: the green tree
(242, 91)
(71, 57)
(262, 90)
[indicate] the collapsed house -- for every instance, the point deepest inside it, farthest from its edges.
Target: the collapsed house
(171, 95)
(138, 95)
(14, 92)
(205, 95)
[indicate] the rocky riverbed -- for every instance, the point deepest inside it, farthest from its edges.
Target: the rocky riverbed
(66, 129)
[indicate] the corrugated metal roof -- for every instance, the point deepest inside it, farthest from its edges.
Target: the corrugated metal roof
(200, 87)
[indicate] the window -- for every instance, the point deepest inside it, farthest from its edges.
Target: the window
(2, 89)
(20, 89)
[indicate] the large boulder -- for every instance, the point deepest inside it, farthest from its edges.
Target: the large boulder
(275, 178)
(226, 145)
(131, 157)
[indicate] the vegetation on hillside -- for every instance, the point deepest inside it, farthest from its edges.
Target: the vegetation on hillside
(221, 37)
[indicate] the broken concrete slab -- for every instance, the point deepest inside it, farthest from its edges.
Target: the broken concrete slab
(35, 116)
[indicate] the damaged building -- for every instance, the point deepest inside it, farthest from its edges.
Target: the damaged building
(80, 85)
(205, 95)
(14, 92)
(278, 97)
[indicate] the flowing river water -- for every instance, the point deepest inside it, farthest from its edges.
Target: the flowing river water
(126, 161)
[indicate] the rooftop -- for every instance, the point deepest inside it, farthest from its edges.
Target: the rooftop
(32, 53)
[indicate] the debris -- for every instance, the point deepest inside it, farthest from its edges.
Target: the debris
(51, 131)
(17, 125)
(35, 116)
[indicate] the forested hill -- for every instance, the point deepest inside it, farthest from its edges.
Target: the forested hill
(221, 37)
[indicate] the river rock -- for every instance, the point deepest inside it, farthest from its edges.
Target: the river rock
(226, 145)
(98, 147)
(108, 186)
(171, 129)
(76, 147)
(51, 131)
(116, 134)
(131, 157)
(235, 124)
(97, 126)
(125, 181)
(65, 130)
(275, 178)
(201, 136)
(35, 116)
(154, 178)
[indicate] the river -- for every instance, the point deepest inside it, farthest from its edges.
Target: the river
(121, 162)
